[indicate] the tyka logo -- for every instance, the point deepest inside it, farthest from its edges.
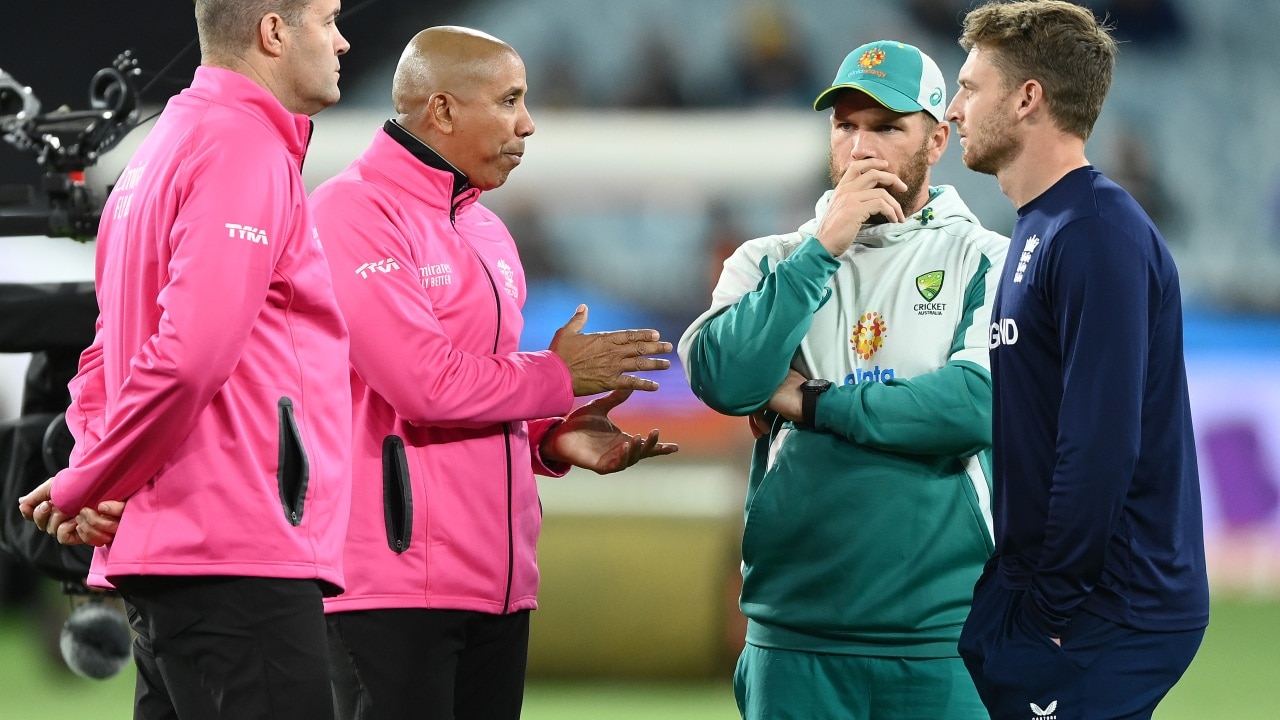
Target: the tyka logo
(382, 266)
(1045, 713)
(247, 232)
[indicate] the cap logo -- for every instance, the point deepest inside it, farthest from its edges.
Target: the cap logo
(936, 97)
(871, 58)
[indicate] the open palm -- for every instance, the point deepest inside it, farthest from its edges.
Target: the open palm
(588, 439)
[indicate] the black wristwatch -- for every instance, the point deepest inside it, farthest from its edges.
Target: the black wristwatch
(809, 392)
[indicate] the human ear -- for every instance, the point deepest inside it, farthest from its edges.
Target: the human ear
(271, 30)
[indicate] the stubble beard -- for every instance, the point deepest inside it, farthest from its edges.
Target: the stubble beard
(1001, 147)
(914, 173)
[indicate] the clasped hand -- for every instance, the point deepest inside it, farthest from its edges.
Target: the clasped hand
(88, 527)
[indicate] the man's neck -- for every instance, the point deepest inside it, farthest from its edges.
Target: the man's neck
(255, 69)
(1042, 163)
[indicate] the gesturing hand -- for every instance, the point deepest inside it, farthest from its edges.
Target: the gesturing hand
(588, 439)
(597, 361)
(863, 191)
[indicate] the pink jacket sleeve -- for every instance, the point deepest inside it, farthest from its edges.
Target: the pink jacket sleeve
(88, 398)
(398, 347)
(216, 287)
(538, 430)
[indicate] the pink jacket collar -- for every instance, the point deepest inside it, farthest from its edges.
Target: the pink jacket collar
(419, 170)
(228, 87)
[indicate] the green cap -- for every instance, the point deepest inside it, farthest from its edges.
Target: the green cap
(897, 75)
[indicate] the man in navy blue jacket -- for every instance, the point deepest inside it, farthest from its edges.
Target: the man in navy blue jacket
(1096, 598)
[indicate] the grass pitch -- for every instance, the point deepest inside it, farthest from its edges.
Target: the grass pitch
(1234, 676)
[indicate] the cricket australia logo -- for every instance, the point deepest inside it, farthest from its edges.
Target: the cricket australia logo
(381, 266)
(1032, 243)
(869, 334)
(929, 285)
(246, 232)
(1045, 713)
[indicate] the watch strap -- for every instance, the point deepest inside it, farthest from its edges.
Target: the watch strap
(809, 393)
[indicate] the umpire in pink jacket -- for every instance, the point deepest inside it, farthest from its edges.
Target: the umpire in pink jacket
(214, 401)
(451, 421)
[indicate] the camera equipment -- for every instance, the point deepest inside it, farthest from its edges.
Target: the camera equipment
(55, 323)
(95, 641)
(65, 142)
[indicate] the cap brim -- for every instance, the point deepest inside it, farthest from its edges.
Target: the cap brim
(884, 95)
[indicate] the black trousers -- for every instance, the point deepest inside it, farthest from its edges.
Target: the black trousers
(413, 664)
(228, 648)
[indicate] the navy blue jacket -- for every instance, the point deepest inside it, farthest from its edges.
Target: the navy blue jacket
(1096, 493)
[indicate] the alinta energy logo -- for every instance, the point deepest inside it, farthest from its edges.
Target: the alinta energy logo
(869, 334)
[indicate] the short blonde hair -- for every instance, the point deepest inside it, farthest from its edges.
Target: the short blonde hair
(229, 26)
(1059, 44)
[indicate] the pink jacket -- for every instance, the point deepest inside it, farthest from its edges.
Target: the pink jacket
(214, 397)
(444, 510)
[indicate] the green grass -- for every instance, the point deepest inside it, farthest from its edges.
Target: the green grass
(629, 701)
(1234, 676)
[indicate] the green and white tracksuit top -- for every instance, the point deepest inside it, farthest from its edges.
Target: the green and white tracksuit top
(866, 534)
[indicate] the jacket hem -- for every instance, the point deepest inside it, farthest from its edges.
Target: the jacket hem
(298, 571)
(409, 602)
(855, 643)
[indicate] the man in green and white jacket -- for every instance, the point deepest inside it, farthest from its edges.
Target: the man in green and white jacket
(858, 345)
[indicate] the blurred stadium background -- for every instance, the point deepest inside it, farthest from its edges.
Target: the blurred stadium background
(669, 132)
